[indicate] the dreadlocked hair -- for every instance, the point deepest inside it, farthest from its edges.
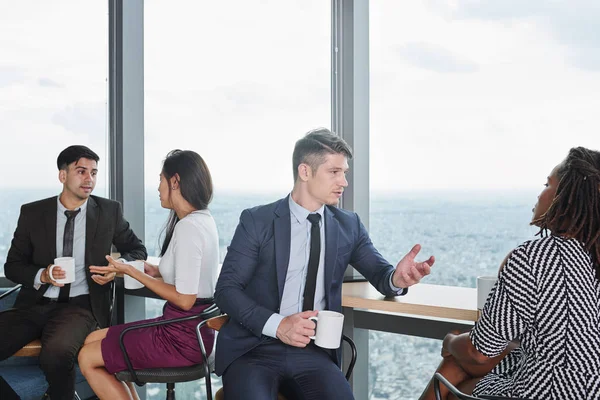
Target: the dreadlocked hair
(575, 209)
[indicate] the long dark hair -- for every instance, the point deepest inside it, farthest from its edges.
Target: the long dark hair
(195, 184)
(575, 209)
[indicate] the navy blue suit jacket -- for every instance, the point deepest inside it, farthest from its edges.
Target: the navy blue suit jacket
(253, 274)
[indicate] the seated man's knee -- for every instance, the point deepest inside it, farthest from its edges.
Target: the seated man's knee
(250, 382)
(326, 381)
(57, 357)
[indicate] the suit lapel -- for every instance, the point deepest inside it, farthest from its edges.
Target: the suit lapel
(332, 228)
(282, 230)
(50, 226)
(91, 224)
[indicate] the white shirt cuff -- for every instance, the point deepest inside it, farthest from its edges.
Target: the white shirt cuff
(399, 291)
(37, 281)
(270, 328)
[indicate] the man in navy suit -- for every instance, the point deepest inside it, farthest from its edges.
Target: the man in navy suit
(286, 261)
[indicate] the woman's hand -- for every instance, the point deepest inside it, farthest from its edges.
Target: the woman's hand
(151, 270)
(103, 279)
(113, 266)
(446, 343)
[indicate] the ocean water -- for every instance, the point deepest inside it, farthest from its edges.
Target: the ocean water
(468, 232)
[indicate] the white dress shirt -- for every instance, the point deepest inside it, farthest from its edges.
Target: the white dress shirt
(80, 286)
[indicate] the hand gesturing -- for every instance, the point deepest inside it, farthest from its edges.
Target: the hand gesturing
(408, 271)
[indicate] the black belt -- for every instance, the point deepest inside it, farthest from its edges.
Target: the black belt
(47, 300)
(77, 299)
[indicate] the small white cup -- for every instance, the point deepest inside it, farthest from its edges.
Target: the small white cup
(328, 332)
(131, 283)
(485, 284)
(67, 264)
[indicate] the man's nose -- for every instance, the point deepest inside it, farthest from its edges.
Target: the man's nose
(344, 181)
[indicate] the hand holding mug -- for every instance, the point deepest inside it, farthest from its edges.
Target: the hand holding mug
(151, 269)
(296, 329)
(61, 272)
(57, 272)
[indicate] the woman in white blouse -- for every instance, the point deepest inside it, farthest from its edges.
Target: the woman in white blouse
(185, 277)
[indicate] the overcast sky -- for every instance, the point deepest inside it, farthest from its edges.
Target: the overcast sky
(464, 94)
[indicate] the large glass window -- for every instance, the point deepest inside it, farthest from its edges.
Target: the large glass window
(472, 105)
(53, 94)
(238, 82)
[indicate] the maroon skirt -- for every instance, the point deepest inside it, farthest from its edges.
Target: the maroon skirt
(162, 346)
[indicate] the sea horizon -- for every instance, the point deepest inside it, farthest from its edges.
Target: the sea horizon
(469, 232)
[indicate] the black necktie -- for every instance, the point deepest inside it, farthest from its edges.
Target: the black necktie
(63, 295)
(313, 263)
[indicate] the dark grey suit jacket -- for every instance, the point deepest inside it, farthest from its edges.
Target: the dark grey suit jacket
(34, 247)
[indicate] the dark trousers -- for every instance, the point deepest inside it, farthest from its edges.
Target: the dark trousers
(62, 329)
(299, 373)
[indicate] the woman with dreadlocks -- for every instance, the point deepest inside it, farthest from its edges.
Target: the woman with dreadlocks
(539, 333)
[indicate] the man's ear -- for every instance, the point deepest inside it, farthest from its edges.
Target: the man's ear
(62, 175)
(304, 172)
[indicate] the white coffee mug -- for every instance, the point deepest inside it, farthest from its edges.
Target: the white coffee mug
(328, 330)
(67, 264)
(131, 283)
(485, 284)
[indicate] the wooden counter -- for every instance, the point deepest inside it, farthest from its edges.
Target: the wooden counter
(421, 300)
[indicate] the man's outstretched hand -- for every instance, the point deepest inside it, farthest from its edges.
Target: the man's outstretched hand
(408, 271)
(295, 329)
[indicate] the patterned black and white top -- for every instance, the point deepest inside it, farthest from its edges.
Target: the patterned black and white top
(548, 298)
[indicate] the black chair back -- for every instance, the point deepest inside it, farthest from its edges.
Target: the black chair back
(437, 378)
(170, 376)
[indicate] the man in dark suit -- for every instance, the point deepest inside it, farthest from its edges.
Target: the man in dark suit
(76, 224)
(286, 261)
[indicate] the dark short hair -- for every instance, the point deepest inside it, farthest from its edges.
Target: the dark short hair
(314, 146)
(195, 185)
(72, 154)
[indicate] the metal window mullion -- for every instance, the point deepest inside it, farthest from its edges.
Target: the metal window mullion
(350, 120)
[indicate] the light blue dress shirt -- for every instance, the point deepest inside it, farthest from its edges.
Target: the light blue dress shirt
(295, 279)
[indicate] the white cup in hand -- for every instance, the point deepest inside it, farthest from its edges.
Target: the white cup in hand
(131, 283)
(485, 284)
(67, 264)
(328, 330)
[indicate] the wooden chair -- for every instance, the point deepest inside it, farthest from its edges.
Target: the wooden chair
(33, 349)
(21, 371)
(217, 322)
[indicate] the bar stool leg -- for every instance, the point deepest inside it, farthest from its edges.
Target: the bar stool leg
(170, 391)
